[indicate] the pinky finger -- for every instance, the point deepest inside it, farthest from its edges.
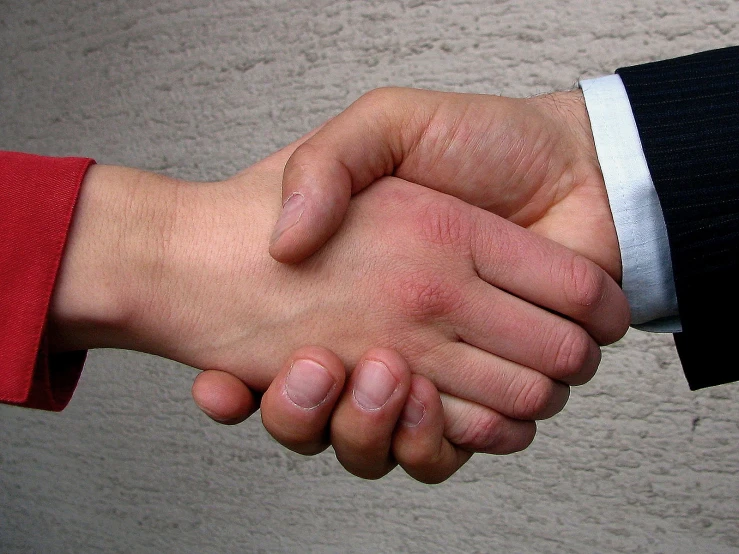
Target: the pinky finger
(419, 445)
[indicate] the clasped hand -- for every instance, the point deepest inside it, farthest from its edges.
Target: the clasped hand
(484, 333)
(459, 328)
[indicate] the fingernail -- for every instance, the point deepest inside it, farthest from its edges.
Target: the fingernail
(413, 412)
(374, 385)
(292, 209)
(308, 383)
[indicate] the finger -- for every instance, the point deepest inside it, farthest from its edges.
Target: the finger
(365, 417)
(360, 145)
(223, 397)
(476, 428)
(495, 321)
(510, 389)
(549, 275)
(297, 405)
(419, 445)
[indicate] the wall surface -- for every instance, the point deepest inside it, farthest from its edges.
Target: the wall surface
(200, 89)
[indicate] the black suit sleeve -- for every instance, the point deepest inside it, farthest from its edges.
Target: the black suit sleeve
(687, 113)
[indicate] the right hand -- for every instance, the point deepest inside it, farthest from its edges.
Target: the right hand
(530, 160)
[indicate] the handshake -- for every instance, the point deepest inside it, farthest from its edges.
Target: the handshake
(443, 268)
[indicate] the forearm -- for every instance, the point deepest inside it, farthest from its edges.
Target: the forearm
(149, 262)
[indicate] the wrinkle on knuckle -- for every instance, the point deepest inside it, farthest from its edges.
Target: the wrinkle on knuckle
(497, 240)
(572, 352)
(585, 286)
(425, 294)
(533, 397)
(444, 224)
(482, 434)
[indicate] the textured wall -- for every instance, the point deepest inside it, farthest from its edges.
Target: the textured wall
(200, 89)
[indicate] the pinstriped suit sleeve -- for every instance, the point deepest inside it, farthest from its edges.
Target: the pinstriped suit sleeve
(687, 113)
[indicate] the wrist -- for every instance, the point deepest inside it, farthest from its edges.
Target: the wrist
(568, 113)
(108, 270)
(569, 110)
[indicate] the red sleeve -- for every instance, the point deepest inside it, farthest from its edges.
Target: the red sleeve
(37, 198)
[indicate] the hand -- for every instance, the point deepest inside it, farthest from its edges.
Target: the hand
(369, 437)
(179, 270)
(529, 160)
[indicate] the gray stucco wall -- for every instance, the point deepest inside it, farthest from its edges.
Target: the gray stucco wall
(201, 89)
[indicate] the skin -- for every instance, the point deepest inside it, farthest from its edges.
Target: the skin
(531, 160)
(181, 270)
(407, 429)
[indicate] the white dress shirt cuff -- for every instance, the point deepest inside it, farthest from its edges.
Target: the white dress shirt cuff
(647, 277)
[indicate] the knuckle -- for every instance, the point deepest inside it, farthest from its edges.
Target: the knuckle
(520, 440)
(299, 440)
(444, 224)
(377, 99)
(533, 398)
(300, 164)
(433, 472)
(359, 444)
(482, 434)
(619, 319)
(419, 458)
(371, 473)
(585, 284)
(308, 449)
(354, 447)
(424, 294)
(573, 353)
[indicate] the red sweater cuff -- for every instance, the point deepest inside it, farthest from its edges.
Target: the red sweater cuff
(37, 199)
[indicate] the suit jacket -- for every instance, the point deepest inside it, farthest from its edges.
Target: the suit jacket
(687, 113)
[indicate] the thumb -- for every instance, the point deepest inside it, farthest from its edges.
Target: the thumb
(316, 189)
(365, 142)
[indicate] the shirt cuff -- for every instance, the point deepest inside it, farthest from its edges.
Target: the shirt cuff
(647, 277)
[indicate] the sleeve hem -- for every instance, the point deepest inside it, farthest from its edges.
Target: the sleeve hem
(38, 195)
